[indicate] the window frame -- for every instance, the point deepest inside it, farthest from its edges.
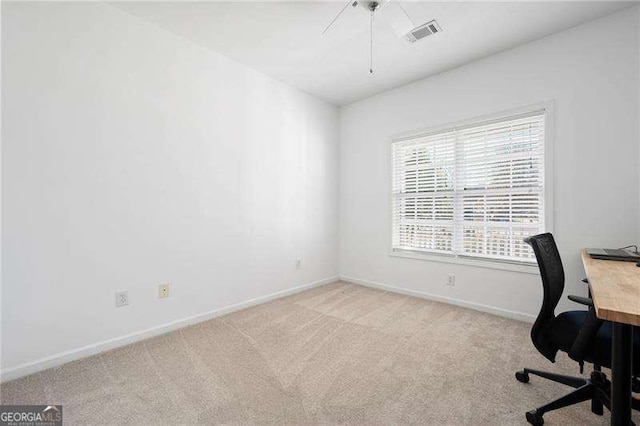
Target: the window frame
(547, 108)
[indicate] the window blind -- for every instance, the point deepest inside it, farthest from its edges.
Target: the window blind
(474, 191)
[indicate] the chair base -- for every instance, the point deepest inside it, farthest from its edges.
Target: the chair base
(597, 388)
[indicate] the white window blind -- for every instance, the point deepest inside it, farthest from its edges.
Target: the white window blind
(473, 191)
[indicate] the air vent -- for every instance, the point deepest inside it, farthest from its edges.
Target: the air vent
(423, 31)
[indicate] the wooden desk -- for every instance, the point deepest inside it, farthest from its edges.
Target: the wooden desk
(615, 289)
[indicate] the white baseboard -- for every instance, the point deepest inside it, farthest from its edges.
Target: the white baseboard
(471, 305)
(96, 348)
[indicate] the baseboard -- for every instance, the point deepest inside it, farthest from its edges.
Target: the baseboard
(96, 348)
(471, 305)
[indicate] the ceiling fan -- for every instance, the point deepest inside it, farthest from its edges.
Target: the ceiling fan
(399, 20)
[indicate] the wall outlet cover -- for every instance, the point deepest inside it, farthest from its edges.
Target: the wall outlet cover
(122, 299)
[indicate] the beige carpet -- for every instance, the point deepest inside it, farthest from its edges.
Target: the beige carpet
(340, 353)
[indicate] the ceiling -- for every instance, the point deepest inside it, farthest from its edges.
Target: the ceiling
(284, 41)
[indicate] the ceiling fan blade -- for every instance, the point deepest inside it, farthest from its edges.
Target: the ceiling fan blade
(353, 3)
(398, 18)
(405, 12)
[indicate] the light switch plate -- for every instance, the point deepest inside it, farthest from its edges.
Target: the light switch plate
(163, 291)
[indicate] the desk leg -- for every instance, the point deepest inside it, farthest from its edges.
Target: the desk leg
(621, 356)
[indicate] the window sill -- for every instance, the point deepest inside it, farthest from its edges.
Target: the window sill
(480, 263)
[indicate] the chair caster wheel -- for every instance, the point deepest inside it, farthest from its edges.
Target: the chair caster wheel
(534, 418)
(522, 376)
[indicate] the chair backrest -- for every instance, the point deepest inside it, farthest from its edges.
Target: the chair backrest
(552, 273)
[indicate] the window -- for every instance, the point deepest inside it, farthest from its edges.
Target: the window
(471, 191)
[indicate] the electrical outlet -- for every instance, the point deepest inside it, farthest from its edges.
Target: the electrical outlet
(122, 299)
(298, 263)
(163, 291)
(451, 280)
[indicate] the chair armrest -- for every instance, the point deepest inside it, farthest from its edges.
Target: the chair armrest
(581, 300)
(586, 335)
(586, 281)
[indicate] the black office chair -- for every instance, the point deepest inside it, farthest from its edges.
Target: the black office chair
(580, 334)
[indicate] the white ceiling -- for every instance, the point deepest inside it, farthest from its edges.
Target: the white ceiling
(284, 41)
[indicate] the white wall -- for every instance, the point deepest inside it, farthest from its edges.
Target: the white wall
(591, 74)
(132, 157)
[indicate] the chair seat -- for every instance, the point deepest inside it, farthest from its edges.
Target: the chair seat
(564, 329)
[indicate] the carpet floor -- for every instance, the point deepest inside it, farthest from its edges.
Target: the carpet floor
(340, 353)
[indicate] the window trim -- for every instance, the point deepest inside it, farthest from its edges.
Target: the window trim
(549, 130)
